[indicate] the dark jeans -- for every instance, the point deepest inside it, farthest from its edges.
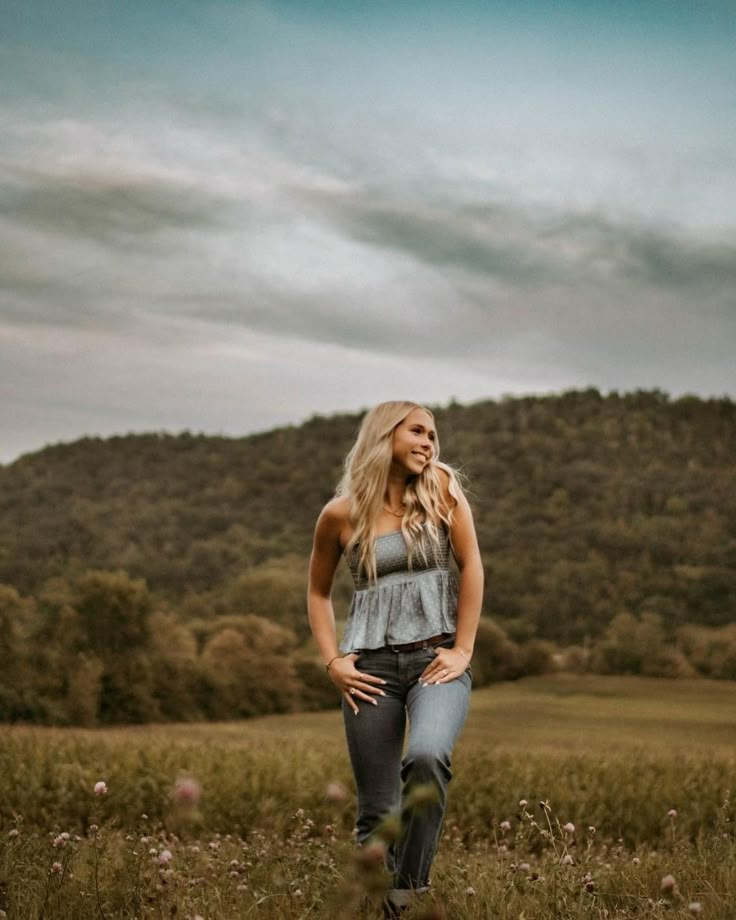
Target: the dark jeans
(375, 740)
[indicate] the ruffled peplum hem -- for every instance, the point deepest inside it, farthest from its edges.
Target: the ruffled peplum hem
(401, 607)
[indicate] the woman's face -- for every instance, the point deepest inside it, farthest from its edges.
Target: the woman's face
(414, 442)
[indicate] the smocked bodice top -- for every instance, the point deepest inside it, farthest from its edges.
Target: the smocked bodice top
(402, 605)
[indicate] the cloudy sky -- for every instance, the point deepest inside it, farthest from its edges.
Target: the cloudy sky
(224, 216)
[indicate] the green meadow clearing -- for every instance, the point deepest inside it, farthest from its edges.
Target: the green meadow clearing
(642, 768)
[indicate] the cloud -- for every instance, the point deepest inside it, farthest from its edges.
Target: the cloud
(192, 276)
(119, 211)
(279, 248)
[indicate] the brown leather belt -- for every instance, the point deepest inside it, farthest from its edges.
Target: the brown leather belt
(422, 643)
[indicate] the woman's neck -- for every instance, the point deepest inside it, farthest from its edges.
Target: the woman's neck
(394, 495)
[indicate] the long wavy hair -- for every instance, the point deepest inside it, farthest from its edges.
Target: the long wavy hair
(364, 481)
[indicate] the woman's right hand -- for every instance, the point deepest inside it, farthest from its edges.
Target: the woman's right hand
(353, 684)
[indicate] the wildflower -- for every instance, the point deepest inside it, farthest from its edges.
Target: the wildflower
(505, 825)
(371, 854)
(93, 828)
(524, 867)
(470, 891)
(187, 791)
(234, 864)
(569, 827)
(194, 848)
(298, 893)
(523, 803)
(567, 860)
(336, 792)
(100, 788)
(672, 813)
(3, 915)
(165, 857)
(695, 907)
(591, 829)
(668, 884)
(56, 868)
(13, 832)
(636, 860)
(60, 841)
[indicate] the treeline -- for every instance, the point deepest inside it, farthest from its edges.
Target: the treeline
(586, 506)
(99, 651)
(592, 510)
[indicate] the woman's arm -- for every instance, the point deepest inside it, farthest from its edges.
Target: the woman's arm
(322, 567)
(467, 556)
(470, 596)
(326, 553)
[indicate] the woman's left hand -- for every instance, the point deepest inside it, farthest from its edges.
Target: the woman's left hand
(448, 664)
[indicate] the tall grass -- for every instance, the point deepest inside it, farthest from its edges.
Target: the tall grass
(571, 798)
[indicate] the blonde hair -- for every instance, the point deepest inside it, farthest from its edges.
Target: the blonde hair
(364, 482)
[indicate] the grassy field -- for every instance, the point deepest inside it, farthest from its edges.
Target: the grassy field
(254, 818)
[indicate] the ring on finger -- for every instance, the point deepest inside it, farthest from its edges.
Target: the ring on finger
(351, 691)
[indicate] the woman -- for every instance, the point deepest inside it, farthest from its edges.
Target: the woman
(408, 640)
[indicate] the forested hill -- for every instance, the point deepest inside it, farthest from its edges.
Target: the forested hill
(586, 505)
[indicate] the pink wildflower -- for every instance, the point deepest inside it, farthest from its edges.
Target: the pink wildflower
(371, 854)
(100, 788)
(56, 868)
(187, 791)
(672, 813)
(336, 792)
(569, 827)
(505, 825)
(668, 884)
(165, 857)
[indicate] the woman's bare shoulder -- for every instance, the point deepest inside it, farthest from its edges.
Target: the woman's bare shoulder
(334, 520)
(336, 513)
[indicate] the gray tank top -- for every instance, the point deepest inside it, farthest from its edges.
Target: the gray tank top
(401, 605)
